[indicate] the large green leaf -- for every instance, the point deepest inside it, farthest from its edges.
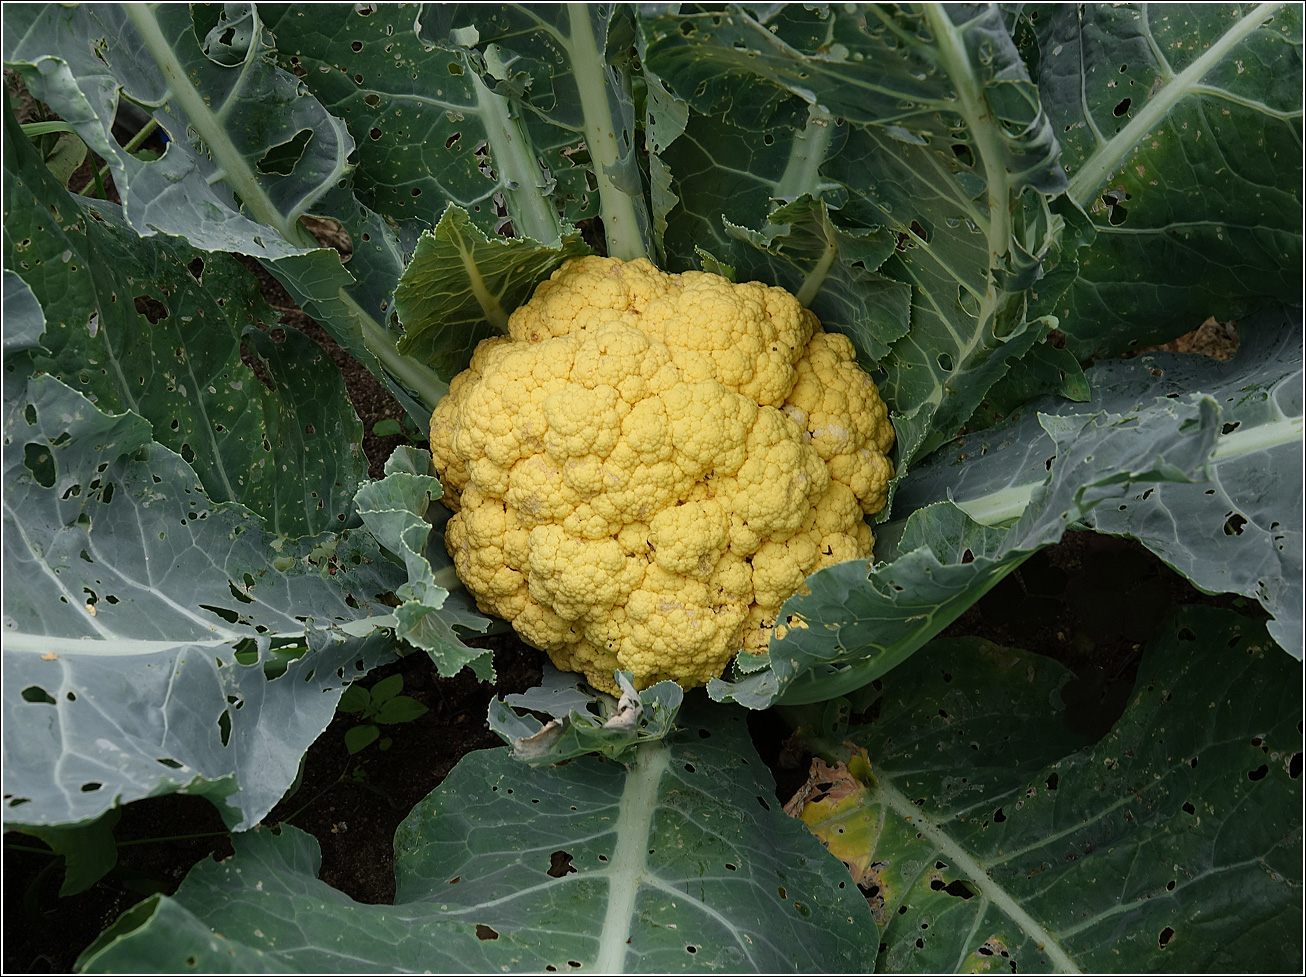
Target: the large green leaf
(1174, 844)
(681, 862)
(1181, 130)
(1240, 532)
(856, 621)
(156, 327)
(250, 152)
(514, 114)
(931, 127)
(139, 616)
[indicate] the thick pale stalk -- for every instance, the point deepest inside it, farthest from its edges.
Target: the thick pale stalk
(629, 855)
(621, 224)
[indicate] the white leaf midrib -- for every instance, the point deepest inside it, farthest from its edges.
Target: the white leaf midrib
(885, 793)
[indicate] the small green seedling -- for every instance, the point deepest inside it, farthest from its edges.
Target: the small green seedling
(389, 427)
(383, 705)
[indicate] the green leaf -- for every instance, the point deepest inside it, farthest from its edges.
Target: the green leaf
(88, 849)
(360, 737)
(24, 319)
(229, 190)
(386, 689)
(153, 326)
(858, 621)
(1172, 845)
(1181, 131)
(531, 116)
(461, 287)
(400, 709)
(1240, 532)
(1045, 368)
(584, 721)
(355, 699)
(681, 862)
(395, 511)
(943, 142)
(127, 597)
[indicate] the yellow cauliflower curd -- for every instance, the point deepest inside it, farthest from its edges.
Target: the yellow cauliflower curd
(649, 465)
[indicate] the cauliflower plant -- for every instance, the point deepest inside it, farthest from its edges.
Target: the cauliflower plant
(649, 465)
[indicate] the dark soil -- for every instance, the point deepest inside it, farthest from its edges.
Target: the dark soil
(1054, 604)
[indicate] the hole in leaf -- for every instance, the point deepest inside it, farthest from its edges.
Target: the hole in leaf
(959, 889)
(224, 727)
(34, 693)
(1294, 766)
(1233, 526)
(998, 816)
(1166, 936)
(1052, 781)
(1121, 108)
(38, 460)
(560, 864)
(1259, 773)
(90, 787)
(484, 932)
(282, 159)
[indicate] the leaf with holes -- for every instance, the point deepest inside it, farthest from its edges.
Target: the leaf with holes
(925, 124)
(682, 861)
(267, 156)
(856, 621)
(1238, 532)
(151, 325)
(525, 122)
(139, 616)
(1173, 844)
(1180, 129)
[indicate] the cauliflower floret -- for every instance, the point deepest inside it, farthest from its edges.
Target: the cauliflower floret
(649, 465)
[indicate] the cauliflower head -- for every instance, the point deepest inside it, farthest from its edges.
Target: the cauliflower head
(648, 465)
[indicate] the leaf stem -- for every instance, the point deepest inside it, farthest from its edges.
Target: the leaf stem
(977, 114)
(621, 224)
(532, 214)
(806, 154)
(630, 853)
(883, 792)
(240, 177)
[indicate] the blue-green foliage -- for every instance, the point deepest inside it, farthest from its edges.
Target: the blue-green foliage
(983, 199)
